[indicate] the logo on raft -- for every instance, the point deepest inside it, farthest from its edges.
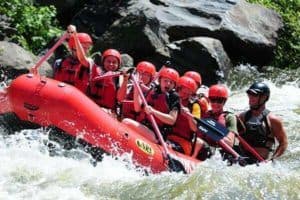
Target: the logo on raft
(144, 147)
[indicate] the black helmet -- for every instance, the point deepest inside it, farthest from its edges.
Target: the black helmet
(259, 88)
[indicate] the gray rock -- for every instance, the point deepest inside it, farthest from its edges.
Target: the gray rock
(202, 54)
(127, 61)
(15, 60)
(146, 29)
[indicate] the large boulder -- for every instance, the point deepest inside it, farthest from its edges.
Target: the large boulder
(15, 60)
(206, 55)
(248, 32)
(146, 29)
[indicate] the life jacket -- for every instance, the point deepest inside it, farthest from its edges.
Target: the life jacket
(258, 132)
(127, 109)
(158, 101)
(127, 105)
(71, 71)
(104, 91)
(181, 132)
(82, 79)
(182, 127)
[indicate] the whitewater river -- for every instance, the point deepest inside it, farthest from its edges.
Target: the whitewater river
(27, 171)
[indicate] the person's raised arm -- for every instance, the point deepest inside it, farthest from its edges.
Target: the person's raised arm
(80, 53)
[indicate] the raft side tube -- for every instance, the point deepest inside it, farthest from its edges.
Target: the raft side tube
(48, 102)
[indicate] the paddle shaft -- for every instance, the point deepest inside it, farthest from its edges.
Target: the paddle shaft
(34, 69)
(152, 120)
(228, 148)
(110, 75)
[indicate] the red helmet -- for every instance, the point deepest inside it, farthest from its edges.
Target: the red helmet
(218, 90)
(111, 52)
(194, 75)
(169, 73)
(187, 82)
(145, 66)
(82, 37)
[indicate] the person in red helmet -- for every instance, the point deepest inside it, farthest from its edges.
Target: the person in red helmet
(75, 68)
(163, 104)
(195, 76)
(182, 136)
(146, 71)
(203, 100)
(218, 95)
(104, 91)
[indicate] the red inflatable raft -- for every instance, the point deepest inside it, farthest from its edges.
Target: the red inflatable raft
(47, 102)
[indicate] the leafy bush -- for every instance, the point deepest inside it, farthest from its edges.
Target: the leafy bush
(36, 26)
(287, 54)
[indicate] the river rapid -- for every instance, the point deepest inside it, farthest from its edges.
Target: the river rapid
(28, 171)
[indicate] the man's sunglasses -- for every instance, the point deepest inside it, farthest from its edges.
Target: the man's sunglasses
(250, 93)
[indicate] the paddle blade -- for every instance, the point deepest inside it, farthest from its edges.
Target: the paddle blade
(212, 129)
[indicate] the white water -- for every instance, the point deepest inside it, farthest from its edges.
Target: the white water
(27, 171)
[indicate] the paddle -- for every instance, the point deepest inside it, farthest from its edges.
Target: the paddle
(108, 74)
(34, 69)
(113, 74)
(217, 132)
(212, 128)
(247, 146)
(175, 165)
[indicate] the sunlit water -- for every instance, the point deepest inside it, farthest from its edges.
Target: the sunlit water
(27, 171)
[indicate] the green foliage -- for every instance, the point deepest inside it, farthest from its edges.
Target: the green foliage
(287, 54)
(36, 26)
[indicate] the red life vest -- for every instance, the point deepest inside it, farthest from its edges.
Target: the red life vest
(82, 79)
(182, 127)
(182, 133)
(127, 106)
(104, 91)
(72, 72)
(159, 102)
(67, 70)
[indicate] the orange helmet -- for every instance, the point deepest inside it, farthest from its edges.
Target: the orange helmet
(219, 91)
(187, 82)
(82, 37)
(145, 66)
(169, 73)
(111, 52)
(194, 75)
